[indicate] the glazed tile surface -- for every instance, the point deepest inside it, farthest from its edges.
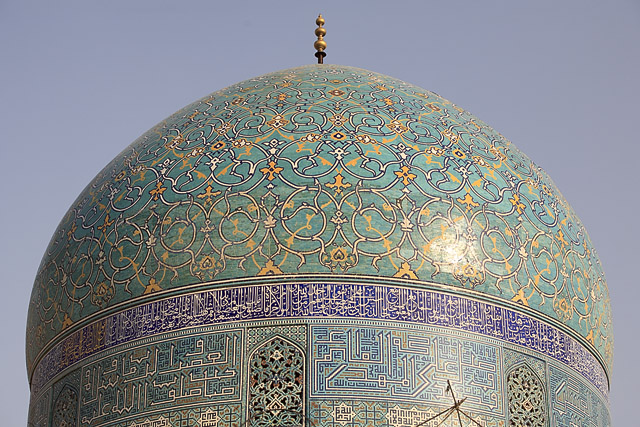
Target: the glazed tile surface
(325, 238)
(321, 170)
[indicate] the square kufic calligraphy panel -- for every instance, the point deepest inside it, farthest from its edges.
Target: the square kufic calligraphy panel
(392, 364)
(574, 402)
(199, 368)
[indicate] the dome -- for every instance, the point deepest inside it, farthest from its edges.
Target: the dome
(314, 175)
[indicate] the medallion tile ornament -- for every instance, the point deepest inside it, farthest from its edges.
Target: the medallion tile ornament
(324, 245)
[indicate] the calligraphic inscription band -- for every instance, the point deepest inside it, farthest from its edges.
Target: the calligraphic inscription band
(311, 300)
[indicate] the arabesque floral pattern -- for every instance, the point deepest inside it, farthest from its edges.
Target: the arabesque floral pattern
(321, 170)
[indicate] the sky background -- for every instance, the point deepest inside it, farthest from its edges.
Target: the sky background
(79, 81)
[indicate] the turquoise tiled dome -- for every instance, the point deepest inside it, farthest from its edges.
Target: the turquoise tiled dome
(317, 172)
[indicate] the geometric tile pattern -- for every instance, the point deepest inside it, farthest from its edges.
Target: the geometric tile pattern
(357, 413)
(228, 415)
(514, 358)
(321, 170)
(296, 334)
(394, 365)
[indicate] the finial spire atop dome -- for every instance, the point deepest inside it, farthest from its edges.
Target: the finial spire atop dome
(320, 44)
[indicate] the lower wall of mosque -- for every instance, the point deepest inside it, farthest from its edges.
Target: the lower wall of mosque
(349, 367)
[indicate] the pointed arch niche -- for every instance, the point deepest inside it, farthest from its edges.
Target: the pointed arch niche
(65, 408)
(527, 398)
(276, 391)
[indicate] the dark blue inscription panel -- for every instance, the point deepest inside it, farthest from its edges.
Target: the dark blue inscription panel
(321, 300)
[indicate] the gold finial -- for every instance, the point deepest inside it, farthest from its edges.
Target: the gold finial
(320, 44)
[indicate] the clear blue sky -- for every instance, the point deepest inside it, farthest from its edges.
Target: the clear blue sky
(82, 80)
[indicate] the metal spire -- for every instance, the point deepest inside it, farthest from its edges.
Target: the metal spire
(320, 44)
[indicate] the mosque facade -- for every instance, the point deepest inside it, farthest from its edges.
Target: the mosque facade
(321, 246)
